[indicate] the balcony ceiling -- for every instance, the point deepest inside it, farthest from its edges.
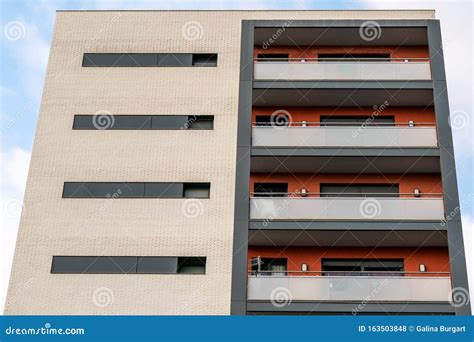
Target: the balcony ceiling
(320, 96)
(311, 36)
(347, 238)
(344, 164)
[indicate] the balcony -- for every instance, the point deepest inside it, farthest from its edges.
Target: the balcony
(395, 69)
(403, 287)
(429, 207)
(308, 134)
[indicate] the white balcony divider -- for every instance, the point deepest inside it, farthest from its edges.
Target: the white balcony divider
(342, 70)
(346, 208)
(363, 288)
(344, 136)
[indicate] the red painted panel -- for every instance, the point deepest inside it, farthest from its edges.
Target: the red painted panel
(436, 259)
(427, 183)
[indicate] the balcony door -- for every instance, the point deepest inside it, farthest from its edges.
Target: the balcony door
(362, 267)
(351, 120)
(359, 190)
(270, 189)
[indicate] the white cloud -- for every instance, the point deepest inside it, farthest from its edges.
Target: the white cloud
(14, 165)
(468, 235)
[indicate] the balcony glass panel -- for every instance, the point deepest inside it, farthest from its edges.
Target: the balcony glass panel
(360, 288)
(310, 69)
(346, 208)
(325, 136)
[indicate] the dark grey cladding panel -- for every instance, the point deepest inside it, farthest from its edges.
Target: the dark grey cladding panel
(320, 96)
(321, 308)
(345, 164)
(346, 237)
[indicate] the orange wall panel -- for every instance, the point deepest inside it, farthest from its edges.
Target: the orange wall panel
(312, 51)
(313, 114)
(427, 183)
(436, 259)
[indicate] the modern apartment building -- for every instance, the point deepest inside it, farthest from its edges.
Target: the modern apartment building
(242, 162)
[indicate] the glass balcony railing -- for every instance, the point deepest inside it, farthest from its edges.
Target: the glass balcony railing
(316, 135)
(337, 69)
(401, 287)
(428, 207)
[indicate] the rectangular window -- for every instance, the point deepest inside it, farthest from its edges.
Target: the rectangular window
(192, 265)
(196, 190)
(353, 57)
(119, 59)
(142, 122)
(280, 120)
(136, 190)
(346, 120)
(359, 190)
(272, 57)
(270, 189)
(149, 60)
(205, 60)
(358, 267)
(128, 265)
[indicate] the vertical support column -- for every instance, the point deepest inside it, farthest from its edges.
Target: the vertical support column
(242, 180)
(448, 167)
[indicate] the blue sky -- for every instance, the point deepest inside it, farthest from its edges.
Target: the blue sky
(26, 29)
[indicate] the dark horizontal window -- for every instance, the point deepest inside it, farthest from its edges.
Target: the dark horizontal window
(270, 189)
(271, 57)
(359, 190)
(145, 122)
(349, 120)
(356, 267)
(354, 57)
(149, 60)
(128, 265)
(135, 190)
